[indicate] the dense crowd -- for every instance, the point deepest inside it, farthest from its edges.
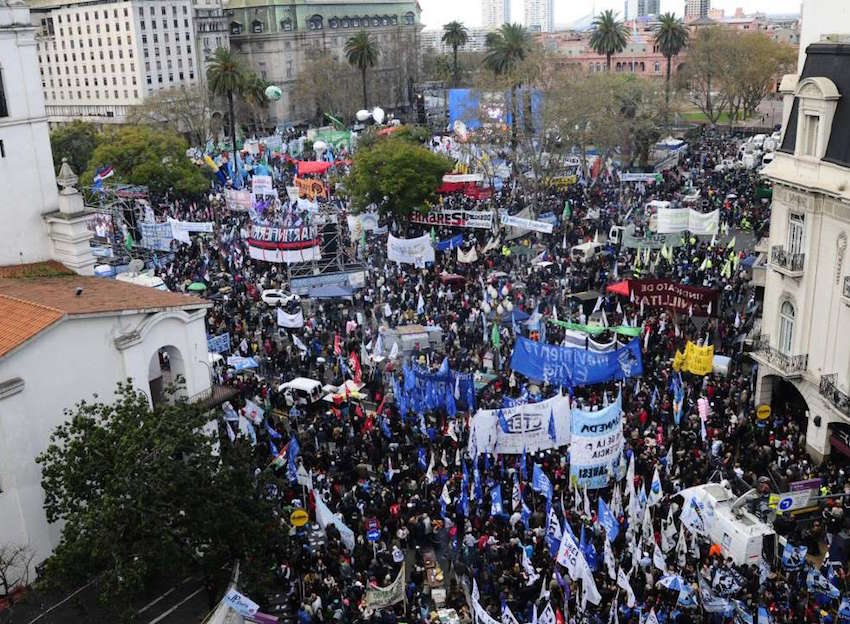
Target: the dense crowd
(406, 474)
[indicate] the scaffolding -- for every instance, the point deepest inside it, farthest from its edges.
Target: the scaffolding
(335, 254)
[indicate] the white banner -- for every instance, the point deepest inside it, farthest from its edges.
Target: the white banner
(527, 224)
(638, 177)
(285, 256)
(382, 597)
(415, 251)
(467, 257)
(291, 321)
(324, 517)
(180, 229)
(237, 200)
(456, 178)
(673, 220)
(480, 219)
(262, 185)
(527, 427)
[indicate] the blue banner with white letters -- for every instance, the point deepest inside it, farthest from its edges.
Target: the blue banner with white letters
(596, 444)
(571, 366)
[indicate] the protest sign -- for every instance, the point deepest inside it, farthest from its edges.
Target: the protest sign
(522, 427)
(310, 188)
(262, 185)
(672, 220)
(156, 236)
(382, 597)
(527, 224)
(291, 321)
(667, 294)
(219, 344)
(596, 444)
(697, 360)
(416, 251)
(454, 218)
(239, 201)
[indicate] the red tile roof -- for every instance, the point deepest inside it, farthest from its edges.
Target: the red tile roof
(22, 320)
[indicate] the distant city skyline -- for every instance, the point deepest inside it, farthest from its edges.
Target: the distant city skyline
(435, 13)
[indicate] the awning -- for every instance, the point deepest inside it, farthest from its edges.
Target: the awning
(620, 288)
(306, 167)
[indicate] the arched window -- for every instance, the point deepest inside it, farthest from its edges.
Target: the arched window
(333, 23)
(315, 23)
(642, 66)
(256, 26)
(286, 25)
(394, 20)
(409, 18)
(617, 67)
(376, 21)
(355, 22)
(786, 326)
(385, 20)
(235, 28)
(346, 23)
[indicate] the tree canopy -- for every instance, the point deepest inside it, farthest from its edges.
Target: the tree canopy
(609, 36)
(150, 157)
(455, 35)
(396, 174)
(361, 51)
(141, 493)
(185, 109)
(75, 141)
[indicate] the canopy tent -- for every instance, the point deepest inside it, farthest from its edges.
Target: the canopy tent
(307, 167)
(620, 288)
(330, 291)
(507, 317)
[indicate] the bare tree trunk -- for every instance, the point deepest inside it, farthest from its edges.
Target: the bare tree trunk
(365, 98)
(232, 126)
(667, 88)
(454, 66)
(608, 63)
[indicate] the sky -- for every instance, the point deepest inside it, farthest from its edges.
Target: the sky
(435, 13)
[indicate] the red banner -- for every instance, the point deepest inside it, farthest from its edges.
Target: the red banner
(668, 294)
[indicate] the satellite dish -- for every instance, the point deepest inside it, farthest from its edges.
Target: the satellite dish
(136, 266)
(362, 115)
(378, 114)
(320, 146)
(273, 93)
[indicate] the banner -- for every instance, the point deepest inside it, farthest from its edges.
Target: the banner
(239, 201)
(596, 445)
(311, 189)
(442, 382)
(449, 244)
(262, 185)
(360, 223)
(524, 427)
(454, 218)
(284, 245)
(324, 517)
(640, 177)
(650, 240)
(240, 603)
(668, 294)
(219, 344)
(180, 230)
(156, 236)
(467, 257)
(382, 597)
(291, 321)
(695, 359)
(569, 366)
(673, 220)
(527, 224)
(454, 178)
(416, 251)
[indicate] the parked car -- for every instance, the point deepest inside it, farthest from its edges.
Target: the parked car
(274, 297)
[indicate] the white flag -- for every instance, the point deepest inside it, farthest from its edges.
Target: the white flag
(609, 560)
(547, 616)
(394, 351)
(694, 546)
(587, 510)
(530, 572)
(668, 532)
(589, 592)
(623, 583)
(507, 616)
(655, 491)
(646, 532)
(299, 345)
(658, 559)
(447, 498)
(682, 548)
(652, 619)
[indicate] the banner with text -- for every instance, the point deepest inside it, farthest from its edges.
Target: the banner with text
(239, 201)
(416, 251)
(596, 445)
(454, 218)
(672, 220)
(667, 294)
(527, 224)
(527, 427)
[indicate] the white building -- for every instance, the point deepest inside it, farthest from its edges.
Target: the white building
(539, 15)
(494, 13)
(694, 9)
(822, 19)
(804, 367)
(432, 40)
(99, 58)
(66, 338)
(26, 164)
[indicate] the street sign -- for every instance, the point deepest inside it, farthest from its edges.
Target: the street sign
(298, 518)
(763, 411)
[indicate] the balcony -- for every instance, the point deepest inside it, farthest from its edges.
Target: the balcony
(790, 264)
(831, 393)
(789, 366)
(845, 291)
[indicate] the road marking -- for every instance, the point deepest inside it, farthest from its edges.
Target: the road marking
(188, 579)
(156, 600)
(177, 606)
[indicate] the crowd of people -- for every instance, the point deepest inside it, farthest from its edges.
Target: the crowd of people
(399, 477)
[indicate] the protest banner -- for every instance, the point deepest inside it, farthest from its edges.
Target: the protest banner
(674, 220)
(596, 444)
(219, 344)
(454, 218)
(526, 224)
(668, 294)
(640, 177)
(324, 517)
(311, 189)
(416, 251)
(697, 360)
(569, 366)
(383, 597)
(290, 321)
(156, 236)
(284, 245)
(521, 427)
(467, 257)
(650, 240)
(262, 185)
(180, 230)
(239, 201)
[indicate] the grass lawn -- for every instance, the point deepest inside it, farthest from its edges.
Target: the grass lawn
(699, 117)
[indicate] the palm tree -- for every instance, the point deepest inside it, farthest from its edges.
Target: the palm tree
(226, 77)
(609, 37)
(455, 35)
(361, 50)
(507, 48)
(670, 37)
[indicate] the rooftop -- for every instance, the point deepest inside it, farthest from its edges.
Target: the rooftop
(22, 320)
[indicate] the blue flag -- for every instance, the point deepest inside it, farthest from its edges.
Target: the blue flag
(496, 508)
(294, 451)
(817, 583)
(793, 557)
(502, 422)
(552, 435)
(525, 514)
(589, 550)
(385, 429)
(273, 434)
(844, 611)
(422, 459)
(273, 449)
(541, 483)
(451, 406)
(608, 520)
(470, 397)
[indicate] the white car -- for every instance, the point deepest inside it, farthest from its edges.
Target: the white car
(274, 297)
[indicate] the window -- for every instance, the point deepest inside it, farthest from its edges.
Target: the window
(811, 125)
(4, 110)
(346, 23)
(286, 25)
(333, 23)
(796, 227)
(315, 23)
(786, 327)
(657, 67)
(409, 18)
(235, 28)
(256, 26)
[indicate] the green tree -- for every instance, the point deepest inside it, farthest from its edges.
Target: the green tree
(361, 50)
(396, 174)
(671, 37)
(226, 77)
(708, 58)
(142, 495)
(507, 49)
(456, 36)
(609, 36)
(254, 101)
(146, 156)
(75, 141)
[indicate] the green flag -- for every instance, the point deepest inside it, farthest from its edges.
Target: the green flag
(568, 211)
(495, 337)
(433, 235)
(128, 241)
